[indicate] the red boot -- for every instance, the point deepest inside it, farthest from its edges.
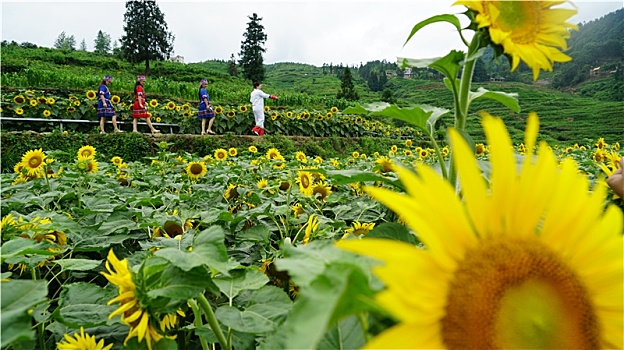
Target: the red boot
(255, 130)
(261, 131)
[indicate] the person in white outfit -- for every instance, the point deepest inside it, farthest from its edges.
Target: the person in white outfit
(257, 106)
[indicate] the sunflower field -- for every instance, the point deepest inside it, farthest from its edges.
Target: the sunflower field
(230, 119)
(235, 248)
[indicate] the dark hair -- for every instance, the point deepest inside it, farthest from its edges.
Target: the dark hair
(256, 84)
(135, 86)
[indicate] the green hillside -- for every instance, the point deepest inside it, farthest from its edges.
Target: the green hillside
(565, 118)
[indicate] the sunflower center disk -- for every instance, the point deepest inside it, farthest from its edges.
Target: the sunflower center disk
(517, 294)
(521, 18)
(196, 169)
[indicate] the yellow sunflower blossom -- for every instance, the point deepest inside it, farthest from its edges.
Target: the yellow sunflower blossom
(358, 229)
(297, 210)
(116, 160)
(253, 149)
(232, 152)
(301, 156)
(311, 228)
(263, 183)
(509, 267)
(304, 179)
(33, 160)
(92, 166)
(195, 170)
(528, 31)
(386, 164)
(231, 192)
(86, 152)
(273, 153)
(220, 154)
(132, 314)
(90, 95)
(81, 341)
(19, 99)
(321, 191)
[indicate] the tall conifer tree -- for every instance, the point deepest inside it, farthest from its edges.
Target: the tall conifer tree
(146, 35)
(102, 42)
(347, 89)
(251, 61)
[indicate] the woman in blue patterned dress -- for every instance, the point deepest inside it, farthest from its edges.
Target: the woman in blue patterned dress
(105, 107)
(205, 110)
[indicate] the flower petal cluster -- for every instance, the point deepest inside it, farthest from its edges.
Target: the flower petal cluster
(529, 31)
(530, 259)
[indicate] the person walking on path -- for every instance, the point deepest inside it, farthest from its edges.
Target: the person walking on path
(205, 110)
(257, 105)
(105, 107)
(139, 109)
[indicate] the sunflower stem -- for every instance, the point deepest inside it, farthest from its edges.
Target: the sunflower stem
(439, 155)
(198, 322)
(462, 100)
(363, 318)
(40, 326)
(212, 321)
(45, 172)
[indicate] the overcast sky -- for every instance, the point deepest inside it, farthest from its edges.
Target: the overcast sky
(347, 32)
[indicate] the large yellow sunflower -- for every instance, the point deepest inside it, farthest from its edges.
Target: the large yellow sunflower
(33, 160)
(116, 160)
(532, 261)
(132, 314)
(92, 166)
(273, 153)
(195, 170)
(311, 228)
(81, 341)
(220, 154)
(321, 191)
(301, 156)
(86, 152)
(231, 192)
(306, 185)
(19, 99)
(91, 95)
(528, 31)
(358, 229)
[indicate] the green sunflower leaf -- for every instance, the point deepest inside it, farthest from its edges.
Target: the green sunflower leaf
(239, 280)
(508, 99)
(342, 289)
(438, 18)
(17, 297)
(183, 285)
(266, 310)
(77, 264)
(394, 231)
(21, 246)
(84, 304)
(346, 334)
(208, 250)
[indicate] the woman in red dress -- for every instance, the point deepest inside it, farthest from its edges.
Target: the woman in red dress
(139, 110)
